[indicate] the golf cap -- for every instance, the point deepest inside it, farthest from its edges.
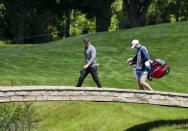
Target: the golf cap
(134, 42)
(86, 40)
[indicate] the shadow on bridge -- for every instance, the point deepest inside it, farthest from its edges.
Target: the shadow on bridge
(159, 123)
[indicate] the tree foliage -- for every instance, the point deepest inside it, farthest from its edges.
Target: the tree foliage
(34, 21)
(100, 10)
(166, 11)
(136, 10)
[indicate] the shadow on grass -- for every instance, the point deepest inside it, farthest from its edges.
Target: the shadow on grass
(156, 124)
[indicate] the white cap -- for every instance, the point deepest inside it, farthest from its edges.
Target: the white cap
(134, 42)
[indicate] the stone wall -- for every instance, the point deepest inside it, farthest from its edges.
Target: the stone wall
(59, 93)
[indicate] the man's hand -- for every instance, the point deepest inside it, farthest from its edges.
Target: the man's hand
(86, 66)
(130, 61)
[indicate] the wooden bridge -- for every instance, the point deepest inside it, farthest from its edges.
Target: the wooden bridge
(62, 93)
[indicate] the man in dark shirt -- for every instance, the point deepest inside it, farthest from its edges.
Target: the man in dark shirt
(140, 60)
(91, 65)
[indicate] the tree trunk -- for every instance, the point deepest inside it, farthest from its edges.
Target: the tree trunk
(68, 22)
(136, 11)
(21, 30)
(102, 23)
(178, 10)
(134, 18)
(21, 22)
(103, 18)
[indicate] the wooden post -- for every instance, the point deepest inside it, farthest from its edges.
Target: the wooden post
(12, 83)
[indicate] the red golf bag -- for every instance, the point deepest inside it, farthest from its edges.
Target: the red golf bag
(159, 68)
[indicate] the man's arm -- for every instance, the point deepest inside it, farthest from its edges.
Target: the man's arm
(144, 55)
(93, 57)
(134, 59)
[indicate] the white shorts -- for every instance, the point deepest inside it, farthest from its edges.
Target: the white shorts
(141, 76)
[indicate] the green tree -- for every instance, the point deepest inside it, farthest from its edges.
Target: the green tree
(166, 11)
(41, 21)
(15, 13)
(101, 10)
(35, 19)
(136, 10)
(79, 21)
(117, 20)
(179, 10)
(158, 12)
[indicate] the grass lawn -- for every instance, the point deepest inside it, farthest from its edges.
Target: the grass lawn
(99, 116)
(59, 62)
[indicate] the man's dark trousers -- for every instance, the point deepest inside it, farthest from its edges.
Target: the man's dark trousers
(85, 72)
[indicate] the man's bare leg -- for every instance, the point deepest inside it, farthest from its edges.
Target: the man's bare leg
(140, 86)
(145, 84)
